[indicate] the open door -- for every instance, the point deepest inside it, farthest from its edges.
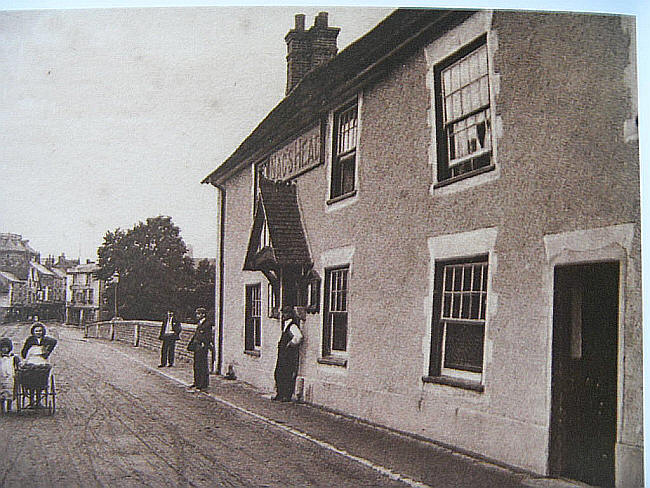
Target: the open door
(584, 372)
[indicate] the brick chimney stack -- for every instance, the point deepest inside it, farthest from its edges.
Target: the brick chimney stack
(309, 49)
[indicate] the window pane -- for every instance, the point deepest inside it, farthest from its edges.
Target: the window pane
(455, 313)
(347, 176)
(339, 331)
(458, 109)
(476, 304)
(457, 278)
(258, 331)
(446, 81)
(485, 93)
(464, 347)
(467, 277)
(455, 77)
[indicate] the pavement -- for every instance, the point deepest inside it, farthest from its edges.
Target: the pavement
(412, 461)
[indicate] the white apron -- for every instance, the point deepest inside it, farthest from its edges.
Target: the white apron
(35, 355)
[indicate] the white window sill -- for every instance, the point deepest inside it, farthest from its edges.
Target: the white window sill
(333, 361)
(456, 382)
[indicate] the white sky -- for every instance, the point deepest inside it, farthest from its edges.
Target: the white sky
(111, 116)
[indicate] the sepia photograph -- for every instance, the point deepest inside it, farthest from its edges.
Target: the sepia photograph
(352, 245)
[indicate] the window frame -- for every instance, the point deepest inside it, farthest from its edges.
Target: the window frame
(444, 176)
(253, 343)
(328, 330)
(438, 373)
(337, 191)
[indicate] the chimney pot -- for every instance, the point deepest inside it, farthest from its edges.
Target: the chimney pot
(321, 19)
(300, 22)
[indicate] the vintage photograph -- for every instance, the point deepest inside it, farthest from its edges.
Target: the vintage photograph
(320, 246)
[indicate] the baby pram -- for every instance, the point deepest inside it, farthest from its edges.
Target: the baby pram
(35, 382)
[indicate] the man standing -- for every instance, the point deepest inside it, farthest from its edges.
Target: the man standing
(286, 368)
(200, 344)
(170, 332)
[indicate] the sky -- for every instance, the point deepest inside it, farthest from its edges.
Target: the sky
(110, 116)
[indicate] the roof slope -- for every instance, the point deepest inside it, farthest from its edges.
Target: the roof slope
(373, 55)
(14, 242)
(41, 269)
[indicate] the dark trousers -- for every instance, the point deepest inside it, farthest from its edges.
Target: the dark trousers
(286, 371)
(201, 371)
(167, 351)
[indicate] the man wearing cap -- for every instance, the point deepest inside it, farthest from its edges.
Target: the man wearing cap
(286, 368)
(200, 344)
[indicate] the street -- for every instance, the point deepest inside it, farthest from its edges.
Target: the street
(121, 422)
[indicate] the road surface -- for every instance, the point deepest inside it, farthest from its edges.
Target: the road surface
(119, 424)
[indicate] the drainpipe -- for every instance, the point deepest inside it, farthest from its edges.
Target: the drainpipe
(220, 280)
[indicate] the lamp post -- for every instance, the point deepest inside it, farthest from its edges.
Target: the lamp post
(115, 279)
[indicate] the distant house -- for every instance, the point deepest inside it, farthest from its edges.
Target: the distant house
(84, 294)
(453, 200)
(12, 296)
(15, 257)
(45, 292)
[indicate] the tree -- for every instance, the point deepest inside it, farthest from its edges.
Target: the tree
(153, 266)
(204, 289)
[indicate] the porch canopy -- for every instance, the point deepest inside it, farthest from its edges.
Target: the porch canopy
(277, 213)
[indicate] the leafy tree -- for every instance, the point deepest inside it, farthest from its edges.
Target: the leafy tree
(153, 266)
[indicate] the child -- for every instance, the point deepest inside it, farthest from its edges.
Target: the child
(8, 364)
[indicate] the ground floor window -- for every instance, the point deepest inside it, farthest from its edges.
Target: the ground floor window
(253, 320)
(459, 311)
(335, 318)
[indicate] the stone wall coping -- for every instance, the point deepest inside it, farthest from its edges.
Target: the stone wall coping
(150, 323)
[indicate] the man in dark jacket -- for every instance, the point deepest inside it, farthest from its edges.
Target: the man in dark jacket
(286, 367)
(170, 332)
(200, 344)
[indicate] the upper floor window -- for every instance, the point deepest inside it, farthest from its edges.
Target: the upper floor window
(464, 124)
(344, 151)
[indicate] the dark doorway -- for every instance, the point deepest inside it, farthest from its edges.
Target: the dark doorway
(585, 342)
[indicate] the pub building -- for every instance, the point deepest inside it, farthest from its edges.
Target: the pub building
(452, 203)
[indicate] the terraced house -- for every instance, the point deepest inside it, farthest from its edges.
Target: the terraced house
(454, 201)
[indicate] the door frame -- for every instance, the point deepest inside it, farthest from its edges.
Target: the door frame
(574, 275)
(603, 244)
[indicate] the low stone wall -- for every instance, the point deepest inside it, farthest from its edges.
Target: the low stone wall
(140, 333)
